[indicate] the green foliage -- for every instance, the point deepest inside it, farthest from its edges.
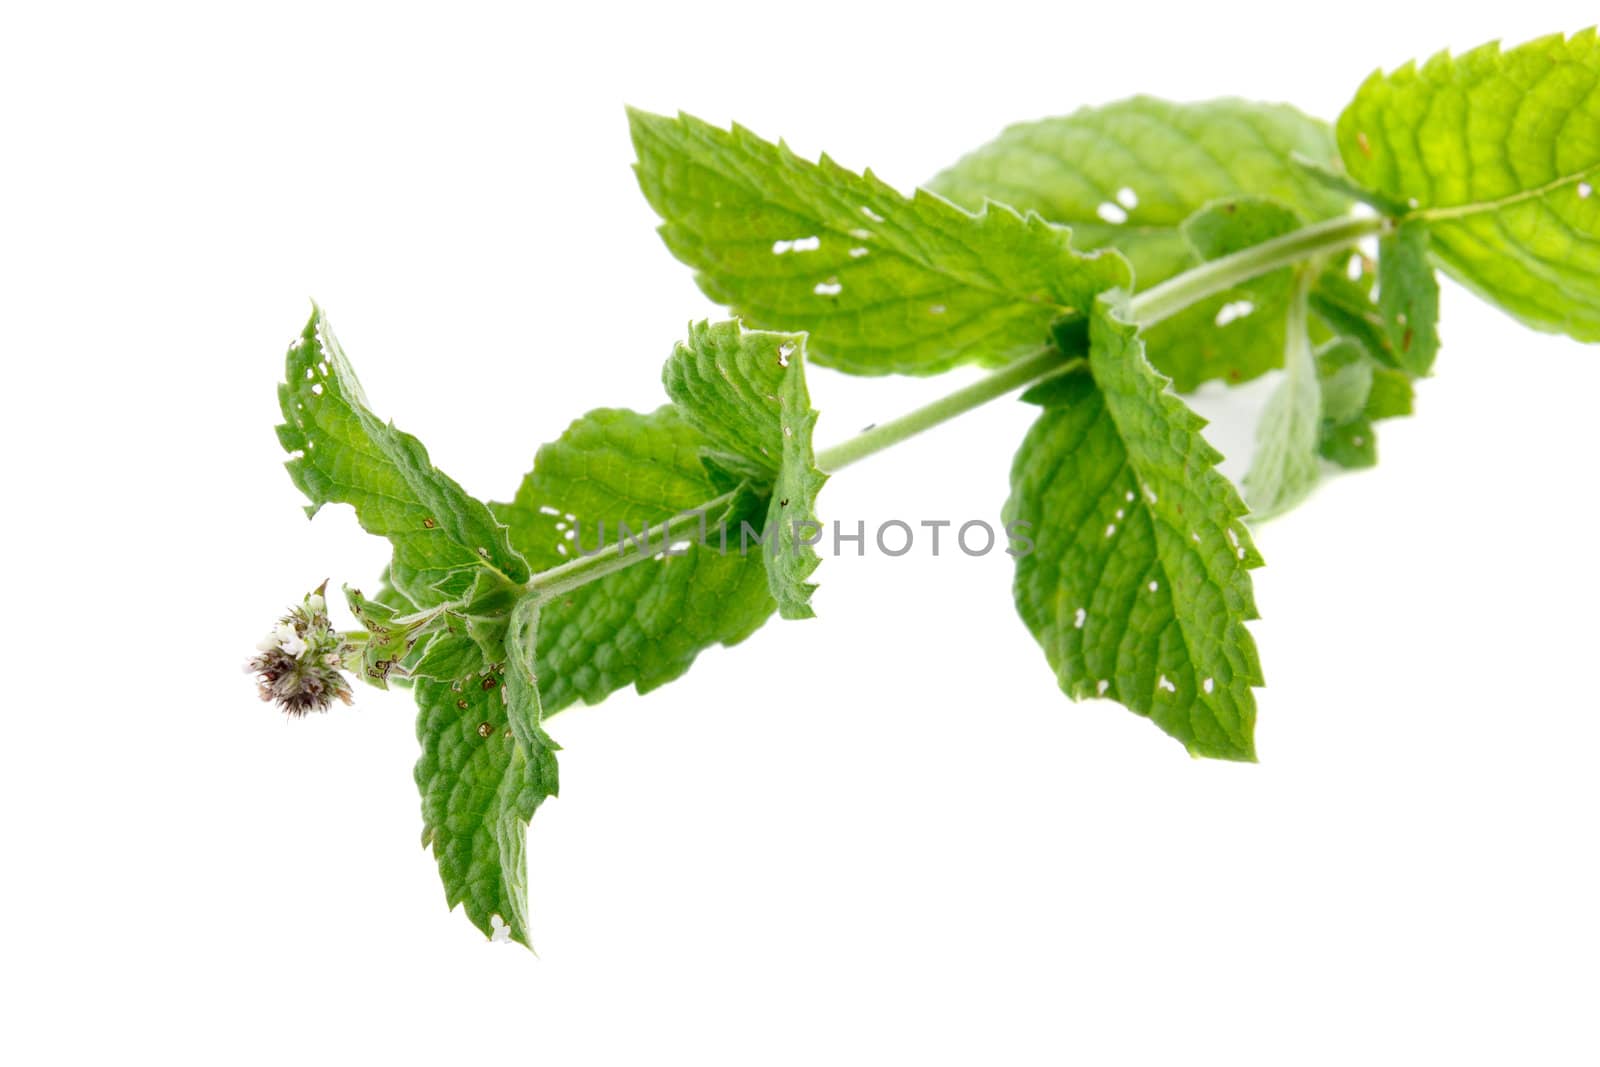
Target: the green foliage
(1138, 589)
(1286, 465)
(1408, 296)
(642, 626)
(746, 391)
(1151, 165)
(882, 282)
(480, 786)
(1220, 220)
(341, 453)
(1498, 152)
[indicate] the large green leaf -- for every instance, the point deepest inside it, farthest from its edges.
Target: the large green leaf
(644, 625)
(342, 453)
(1498, 152)
(480, 785)
(1129, 174)
(1138, 588)
(746, 391)
(883, 283)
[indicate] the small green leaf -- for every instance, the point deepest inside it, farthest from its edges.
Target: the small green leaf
(1224, 227)
(480, 786)
(387, 643)
(1138, 588)
(1344, 373)
(1352, 444)
(642, 626)
(1357, 391)
(1408, 296)
(1347, 307)
(1128, 175)
(342, 453)
(1286, 466)
(1498, 152)
(746, 391)
(1392, 394)
(883, 283)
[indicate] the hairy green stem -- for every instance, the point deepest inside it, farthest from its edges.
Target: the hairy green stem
(1149, 307)
(1219, 275)
(624, 553)
(1010, 377)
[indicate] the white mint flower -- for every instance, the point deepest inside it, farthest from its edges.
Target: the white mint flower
(289, 639)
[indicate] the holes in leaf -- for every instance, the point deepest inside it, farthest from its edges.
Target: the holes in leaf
(936, 309)
(316, 389)
(799, 244)
(1585, 190)
(1080, 618)
(1127, 198)
(857, 253)
(785, 350)
(1233, 311)
(861, 235)
(831, 287)
(1112, 213)
(871, 214)
(1355, 268)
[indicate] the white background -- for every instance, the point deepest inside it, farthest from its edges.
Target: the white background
(879, 837)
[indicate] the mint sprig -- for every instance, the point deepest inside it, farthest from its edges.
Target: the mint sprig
(1103, 264)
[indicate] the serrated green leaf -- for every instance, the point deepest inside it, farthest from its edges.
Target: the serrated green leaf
(1285, 467)
(746, 391)
(1499, 152)
(1138, 588)
(642, 626)
(342, 453)
(1149, 165)
(1408, 296)
(883, 283)
(480, 786)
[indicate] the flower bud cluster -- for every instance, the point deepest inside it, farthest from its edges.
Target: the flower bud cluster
(299, 664)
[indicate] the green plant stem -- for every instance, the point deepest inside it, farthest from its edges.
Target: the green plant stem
(1013, 376)
(1148, 308)
(625, 553)
(1172, 296)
